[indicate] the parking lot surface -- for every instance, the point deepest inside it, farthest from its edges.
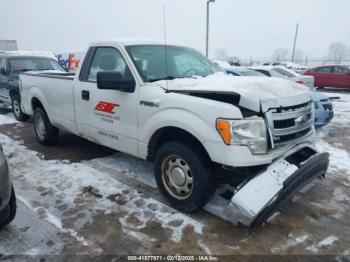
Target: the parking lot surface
(78, 198)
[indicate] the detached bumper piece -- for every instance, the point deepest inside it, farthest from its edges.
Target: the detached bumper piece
(259, 198)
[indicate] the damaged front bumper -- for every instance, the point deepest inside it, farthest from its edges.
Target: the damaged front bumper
(259, 197)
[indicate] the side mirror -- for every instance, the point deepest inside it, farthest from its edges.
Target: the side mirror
(114, 81)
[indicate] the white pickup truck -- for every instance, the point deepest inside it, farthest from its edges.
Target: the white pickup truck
(171, 105)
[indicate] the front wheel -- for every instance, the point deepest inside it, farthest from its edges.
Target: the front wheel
(46, 133)
(183, 176)
(17, 110)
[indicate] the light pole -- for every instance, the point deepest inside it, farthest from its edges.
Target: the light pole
(207, 42)
(295, 41)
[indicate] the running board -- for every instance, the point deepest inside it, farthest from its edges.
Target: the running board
(259, 198)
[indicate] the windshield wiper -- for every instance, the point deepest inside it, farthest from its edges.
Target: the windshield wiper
(169, 78)
(45, 69)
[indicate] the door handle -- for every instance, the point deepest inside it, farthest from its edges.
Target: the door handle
(85, 95)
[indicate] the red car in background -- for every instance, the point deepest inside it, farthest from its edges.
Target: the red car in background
(331, 76)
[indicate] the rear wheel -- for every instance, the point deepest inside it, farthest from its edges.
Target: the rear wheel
(46, 133)
(12, 208)
(183, 176)
(17, 110)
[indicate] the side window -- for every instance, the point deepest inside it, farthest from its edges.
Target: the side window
(283, 72)
(339, 70)
(325, 69)
(264, 72)
(109, 59)
(232, 73)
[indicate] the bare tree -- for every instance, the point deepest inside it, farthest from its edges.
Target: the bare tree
(336, 51)
(280, 54)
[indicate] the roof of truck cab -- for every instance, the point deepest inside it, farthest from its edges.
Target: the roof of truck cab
(128, 42)
(28, 54)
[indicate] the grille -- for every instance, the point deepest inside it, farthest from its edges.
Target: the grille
(288, 124)
(328, 107)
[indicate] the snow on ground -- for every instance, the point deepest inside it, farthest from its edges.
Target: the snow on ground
(7, 119)
(40, 184)
(323, 243)
(131, 166)
(291, 242)
(339, 157)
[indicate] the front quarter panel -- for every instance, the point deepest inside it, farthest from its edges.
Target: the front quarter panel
(193, 114)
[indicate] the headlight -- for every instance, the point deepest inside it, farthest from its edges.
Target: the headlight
(251, 133)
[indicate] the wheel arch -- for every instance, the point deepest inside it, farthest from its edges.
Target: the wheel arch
(173, 133)
(13, 92)
(35, 103)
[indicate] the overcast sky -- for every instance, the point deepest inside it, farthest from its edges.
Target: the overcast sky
(244, 27)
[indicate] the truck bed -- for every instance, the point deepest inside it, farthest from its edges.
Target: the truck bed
(66, 76)
(55, 92)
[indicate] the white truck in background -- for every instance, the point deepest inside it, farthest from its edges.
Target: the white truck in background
(171, 105)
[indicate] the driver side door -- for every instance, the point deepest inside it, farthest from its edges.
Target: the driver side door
(109, 117)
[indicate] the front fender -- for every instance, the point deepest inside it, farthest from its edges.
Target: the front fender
(180, 118)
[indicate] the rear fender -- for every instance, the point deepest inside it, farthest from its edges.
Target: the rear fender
(38, 94)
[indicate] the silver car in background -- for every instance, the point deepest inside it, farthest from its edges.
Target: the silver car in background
(7, 193)
(282, 72)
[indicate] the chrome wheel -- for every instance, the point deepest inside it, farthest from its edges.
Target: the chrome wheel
(40, 127)
(177, 177)
(16, 108)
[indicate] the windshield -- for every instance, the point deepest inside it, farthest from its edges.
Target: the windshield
(23, 64)
(284, 72)
(180, 62)
(252, 73)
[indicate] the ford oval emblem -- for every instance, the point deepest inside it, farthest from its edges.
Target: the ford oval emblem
(302, 119)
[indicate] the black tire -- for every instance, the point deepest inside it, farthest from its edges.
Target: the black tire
(12, 209)
(46, 133)
(203, 182)
(17, 110)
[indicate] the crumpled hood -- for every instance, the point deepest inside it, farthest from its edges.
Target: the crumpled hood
(46, 72)
(253, 91)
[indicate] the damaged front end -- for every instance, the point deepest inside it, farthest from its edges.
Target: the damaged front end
(257, 199)
(290, 128)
